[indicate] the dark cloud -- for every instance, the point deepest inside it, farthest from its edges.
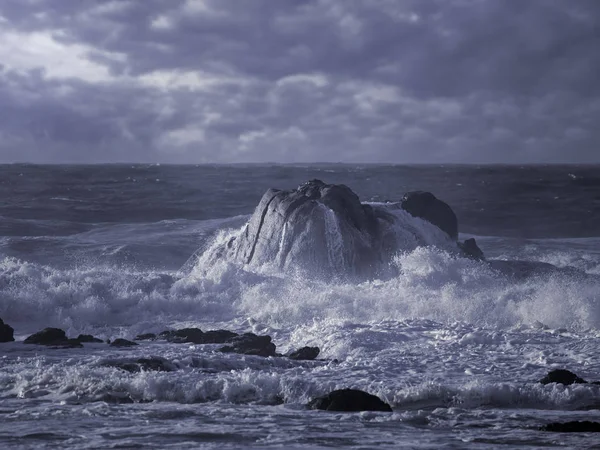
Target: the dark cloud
(300, 80)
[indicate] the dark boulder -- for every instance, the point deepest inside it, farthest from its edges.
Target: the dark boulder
(145, 337)
(218, 336)
(141, 364)
(54, 337)
(572, 427)
(197, 336)
(6, 332)
(304, 354)
(88, 338)
(185, 335)
(349, 400)
(119, 342)
(562, 376)
(427, 206)
(250, 344)
(115, 398)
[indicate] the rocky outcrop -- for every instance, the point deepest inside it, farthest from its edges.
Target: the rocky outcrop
(325, 231)
(53, 337)
(349, 400)
(304, 354)
(6, 332)
(251, 344)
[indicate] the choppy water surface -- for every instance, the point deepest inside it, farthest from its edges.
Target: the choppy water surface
(454, 346)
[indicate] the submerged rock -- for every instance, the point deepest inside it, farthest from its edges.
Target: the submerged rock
(251, 344)
(562, 376)
(141, 364)
(573, 427)
(6, 332)
(427, 206)
(123, 343)
(349, 400)
(304, 354)
(145, 337)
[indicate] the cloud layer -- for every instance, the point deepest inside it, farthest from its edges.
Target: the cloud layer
(300, 81)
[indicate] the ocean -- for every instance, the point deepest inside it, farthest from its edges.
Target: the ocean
(456, 347)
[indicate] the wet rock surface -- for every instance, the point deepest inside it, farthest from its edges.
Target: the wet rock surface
(349, 400)
(141, 364)
(123, 343)
(304, 354)
(6, 332)
(562, 376)
(250, 344)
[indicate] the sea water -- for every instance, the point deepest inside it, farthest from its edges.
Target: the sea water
(453, 345)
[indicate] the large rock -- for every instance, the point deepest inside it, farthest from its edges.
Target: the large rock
(427, 206)
(6, 332)
(349, 400)
(325, 231)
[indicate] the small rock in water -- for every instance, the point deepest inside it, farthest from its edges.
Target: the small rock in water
(6, 332)
(145, 337)
(89, 338)
(185, 335)
(218, 336)
(251, 344)
(562, 376)
(349, 400)
(573, 427)
(53, 337)
(47, 336)
(141, 364)
(116, 398)
(305, 354)
(471, 249)
(122, 343)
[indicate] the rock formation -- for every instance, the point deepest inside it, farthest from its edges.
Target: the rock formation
(325, 231)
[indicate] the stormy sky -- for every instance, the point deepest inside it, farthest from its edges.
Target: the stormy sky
(402, 81)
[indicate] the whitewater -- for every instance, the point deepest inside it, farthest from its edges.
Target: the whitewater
(455, 345)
